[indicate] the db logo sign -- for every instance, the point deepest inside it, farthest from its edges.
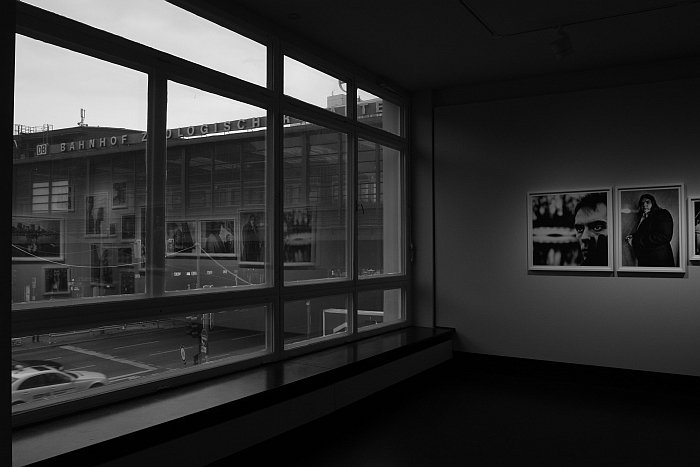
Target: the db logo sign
(42, 149)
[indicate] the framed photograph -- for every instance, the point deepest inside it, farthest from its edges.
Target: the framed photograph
(651, 229)
(56, 279)
(97, 217)
(252, 238)
(129, 227)
(299, 237)
(569, 230)
(180, 236)
(37, 239)
(694, 230)
(119, 195)
(217, 238)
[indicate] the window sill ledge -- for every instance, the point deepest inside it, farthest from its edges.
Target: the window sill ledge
(222, 416)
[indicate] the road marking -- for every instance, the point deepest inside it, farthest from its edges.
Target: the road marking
(170, 351)
(81, 367)
(119, 378)
(109, 357)
(135, 345)
(246, 337)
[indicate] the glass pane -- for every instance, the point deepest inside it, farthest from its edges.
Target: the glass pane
(78, 188)
(377, 307)
(129, 352)
(216, 216)
(171, 29)
(378, 112)
(313, 86)
(314, 319)
(315, 203)
(380, 211)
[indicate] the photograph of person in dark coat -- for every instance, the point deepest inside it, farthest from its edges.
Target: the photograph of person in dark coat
(651, 238)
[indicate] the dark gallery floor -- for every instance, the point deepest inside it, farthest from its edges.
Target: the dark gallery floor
(493, 411)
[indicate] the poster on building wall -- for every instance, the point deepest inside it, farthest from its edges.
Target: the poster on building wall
(569, 230)
(37, 239)
(299, 236)
(217, 238)
(97, 215)
(252, 238)
(651, 229)
(694, 231)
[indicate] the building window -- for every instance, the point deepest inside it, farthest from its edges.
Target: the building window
(195, 214)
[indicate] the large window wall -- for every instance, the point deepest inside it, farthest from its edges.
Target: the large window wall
(198, 218)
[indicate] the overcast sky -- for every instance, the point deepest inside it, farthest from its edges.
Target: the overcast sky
(53, 84)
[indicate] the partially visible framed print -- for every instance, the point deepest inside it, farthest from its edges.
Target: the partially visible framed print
(569, 230)
(650, 234)
(37, 239)
(694, 230)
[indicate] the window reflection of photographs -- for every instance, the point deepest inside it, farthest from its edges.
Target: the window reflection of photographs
(252, 237)
(119, 195)
(102, 263)
(97, 215)
(298, 236)
(217, 238)
(651, 235)
(569, 230)
(180, 237)
(125, 256)
(56, 280)
(694, 230)
(128, 227)
(37, 239)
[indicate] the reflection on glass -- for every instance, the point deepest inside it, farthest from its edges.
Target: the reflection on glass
(377, 112)
(376, 307)
(216, 217)
(380, 215)
(79, 189)
(313, 86)
(314, 319)
(315, 185)
(164, 26)
(60, 365)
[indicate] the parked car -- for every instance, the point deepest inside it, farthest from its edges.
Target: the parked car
(40, 382)
(17, 364)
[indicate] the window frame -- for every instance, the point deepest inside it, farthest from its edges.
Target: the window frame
(160, 68)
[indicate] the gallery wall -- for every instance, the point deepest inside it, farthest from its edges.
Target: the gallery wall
(489, 155)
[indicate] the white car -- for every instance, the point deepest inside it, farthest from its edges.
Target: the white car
(40, 382)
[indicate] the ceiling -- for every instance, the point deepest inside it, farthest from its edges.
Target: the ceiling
(442, 43)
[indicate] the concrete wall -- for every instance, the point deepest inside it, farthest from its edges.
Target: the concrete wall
(489, 155)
